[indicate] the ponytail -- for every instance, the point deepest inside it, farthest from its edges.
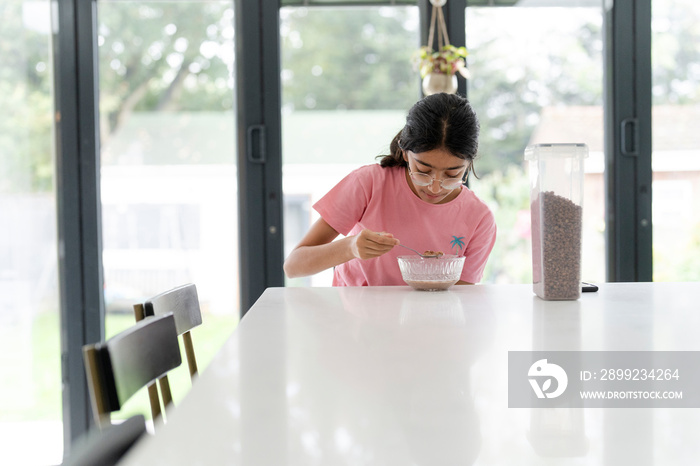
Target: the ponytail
(395, 157)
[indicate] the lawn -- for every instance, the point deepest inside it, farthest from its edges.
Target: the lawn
(31, 387)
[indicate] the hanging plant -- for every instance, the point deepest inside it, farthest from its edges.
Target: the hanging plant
(438, 68)
(448, 60)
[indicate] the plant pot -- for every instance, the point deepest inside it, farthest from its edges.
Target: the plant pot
(435, 83)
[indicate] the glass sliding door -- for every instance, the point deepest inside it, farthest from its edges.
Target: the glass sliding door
(536, 77)
(30, 352)
(675, 140)
(168, 176)
(347, 84)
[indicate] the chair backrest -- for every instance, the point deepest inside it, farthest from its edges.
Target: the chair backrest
(107, 446)
(119, 367)
(183, 302)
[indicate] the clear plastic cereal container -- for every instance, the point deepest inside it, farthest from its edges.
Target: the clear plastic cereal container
(556, 208)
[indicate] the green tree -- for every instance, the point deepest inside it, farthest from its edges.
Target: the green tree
(518, 73)
(25, 95)
(153, 58)
(348, 58)
(507, 192)
(675, 52)
(164, 57)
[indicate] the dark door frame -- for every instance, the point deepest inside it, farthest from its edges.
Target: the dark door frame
(259, 149)
(78, 204)
(628, 171)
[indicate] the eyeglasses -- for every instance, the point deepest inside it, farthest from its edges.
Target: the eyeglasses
(423, 179)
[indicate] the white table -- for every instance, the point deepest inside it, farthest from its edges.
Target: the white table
(392, 376)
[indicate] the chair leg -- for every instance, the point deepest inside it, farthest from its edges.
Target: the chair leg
(154, 400)
(165, 390)
(189, 351)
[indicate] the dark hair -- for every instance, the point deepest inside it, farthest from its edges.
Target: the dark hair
(438, 121)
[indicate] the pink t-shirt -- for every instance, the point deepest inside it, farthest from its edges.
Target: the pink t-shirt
(381, 200)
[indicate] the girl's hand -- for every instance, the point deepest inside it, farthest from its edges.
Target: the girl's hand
(368, 244)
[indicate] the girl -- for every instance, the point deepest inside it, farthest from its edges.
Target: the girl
(415, 196)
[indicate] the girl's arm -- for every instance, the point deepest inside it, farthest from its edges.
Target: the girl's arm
(317, 251)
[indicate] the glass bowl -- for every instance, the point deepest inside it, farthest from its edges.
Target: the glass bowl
(431, 274)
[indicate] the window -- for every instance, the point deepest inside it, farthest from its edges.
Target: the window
(30, 350)
(536, 77)
(675, 140)
(168, 164)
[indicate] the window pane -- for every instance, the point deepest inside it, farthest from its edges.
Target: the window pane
(341, 105)
(169, 189)
(30, 352)
(536, 77)
(675, 140)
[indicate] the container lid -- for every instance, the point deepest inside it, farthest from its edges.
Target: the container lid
(535, 151)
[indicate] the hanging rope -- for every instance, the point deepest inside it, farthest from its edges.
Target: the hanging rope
(438, 19)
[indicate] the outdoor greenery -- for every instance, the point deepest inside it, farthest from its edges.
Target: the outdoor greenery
(675, 52)
(25, 95)
(153, 61)
(507, 192)
(147, 63)
(45, 361)
(348, 58)
(508, 96)
(511, 83)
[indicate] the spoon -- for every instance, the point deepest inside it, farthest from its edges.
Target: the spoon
(433, 256)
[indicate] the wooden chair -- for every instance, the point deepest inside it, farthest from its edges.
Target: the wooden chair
(119, 367)
(183, 303)
(105, 447)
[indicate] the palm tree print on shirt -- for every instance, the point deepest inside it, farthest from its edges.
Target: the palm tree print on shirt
(457, 242)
